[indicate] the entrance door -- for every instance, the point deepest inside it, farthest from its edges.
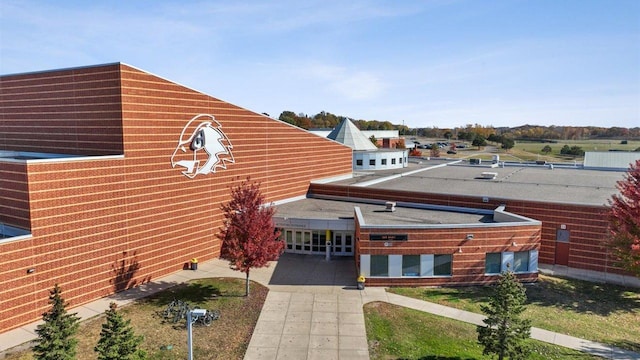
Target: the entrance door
(342, 243)
(298, 241)
(562, 253)
(562, 247)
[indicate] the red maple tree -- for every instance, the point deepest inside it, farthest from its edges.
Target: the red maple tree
(249, 237)
(624, 221)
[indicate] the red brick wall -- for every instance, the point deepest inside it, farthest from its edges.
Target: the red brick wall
(104, 224)
(75, 111)
(586, 223)
(14, 195)
(468, 266)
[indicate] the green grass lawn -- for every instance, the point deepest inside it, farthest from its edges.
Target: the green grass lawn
(604, 313)
(533, 150)
(226, 338)
(395, 332)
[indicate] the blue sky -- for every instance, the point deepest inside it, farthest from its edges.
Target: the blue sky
(442, 63)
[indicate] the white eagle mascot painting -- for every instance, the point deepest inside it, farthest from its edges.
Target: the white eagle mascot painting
(203, 147)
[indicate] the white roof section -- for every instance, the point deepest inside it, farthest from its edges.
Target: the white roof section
(321, 133)
(612, 160)
(348, 134)
(381, 134)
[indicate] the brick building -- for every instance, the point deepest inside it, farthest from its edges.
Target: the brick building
(111, 177)
(93, 192)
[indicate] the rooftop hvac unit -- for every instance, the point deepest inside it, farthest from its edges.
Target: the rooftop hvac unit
(390, 206)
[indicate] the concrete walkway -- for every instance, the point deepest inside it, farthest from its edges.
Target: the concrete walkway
(312, 311)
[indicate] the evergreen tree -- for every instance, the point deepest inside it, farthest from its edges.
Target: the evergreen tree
(56, 339)
(117, 339)
(505, 333)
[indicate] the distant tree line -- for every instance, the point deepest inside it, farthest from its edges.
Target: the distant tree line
(329, 121)
(526, 132)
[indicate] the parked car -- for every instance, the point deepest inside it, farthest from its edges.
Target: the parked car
(451, 152)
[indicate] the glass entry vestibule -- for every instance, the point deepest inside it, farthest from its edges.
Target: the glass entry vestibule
(301, 241)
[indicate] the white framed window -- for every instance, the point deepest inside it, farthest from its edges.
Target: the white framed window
(379, 265)
(410, 265)
(395, 266)
(493, 263)
(518, 262)
(442, 265)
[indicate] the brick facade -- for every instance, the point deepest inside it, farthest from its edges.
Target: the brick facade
(119, 215)
(586, 224)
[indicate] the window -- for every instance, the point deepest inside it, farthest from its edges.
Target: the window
(400, 160)
(521, 261)
(379, 265)
(493, 263)
(442, 265)
(384, 161)
(393, 161)
(410, 265)
(372, 162)
(563, 235)
(359, 162)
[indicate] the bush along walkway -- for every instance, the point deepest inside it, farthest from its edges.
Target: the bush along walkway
(602, 350)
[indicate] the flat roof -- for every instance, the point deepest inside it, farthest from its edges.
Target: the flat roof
(27, 156)
(375, 214)
(560, 184)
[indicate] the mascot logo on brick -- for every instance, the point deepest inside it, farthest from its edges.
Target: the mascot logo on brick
(202, 148)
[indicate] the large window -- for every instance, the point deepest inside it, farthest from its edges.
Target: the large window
(359, 162)
(493, 263)
(521, 263)
(442, 265)
(384, 161)
(379, 265)
(372, 162)
(410, 265)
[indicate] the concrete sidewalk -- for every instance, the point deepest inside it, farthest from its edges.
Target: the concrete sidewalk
(312, 311)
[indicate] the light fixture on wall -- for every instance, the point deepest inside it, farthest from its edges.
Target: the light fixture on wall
(469, 237)
(31, 270)
(514, 244)
(460, 249)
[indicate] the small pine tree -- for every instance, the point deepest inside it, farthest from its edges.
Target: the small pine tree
(435, 150)
(117, 339)
(505, 332)
(56, 339)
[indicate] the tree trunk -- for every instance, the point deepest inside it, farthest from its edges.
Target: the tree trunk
(247, 285)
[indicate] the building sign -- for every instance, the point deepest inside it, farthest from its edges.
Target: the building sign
(388, 237)
(203, 147)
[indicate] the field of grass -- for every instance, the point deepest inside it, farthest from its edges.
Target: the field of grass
(226, 338)
(394, 332)
(532, 150)
(604, 313)
(586, 145)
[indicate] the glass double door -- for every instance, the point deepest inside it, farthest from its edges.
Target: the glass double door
(305, 241)
(342, 243)
(315, 242)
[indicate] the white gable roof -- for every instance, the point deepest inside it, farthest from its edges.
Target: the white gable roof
(348, 133)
